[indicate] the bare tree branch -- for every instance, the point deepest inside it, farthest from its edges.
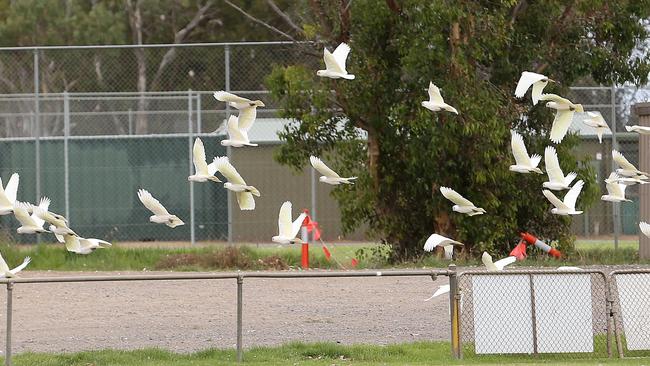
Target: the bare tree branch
(521, 5)
(284, 16)
(258, 21)
(179, 37)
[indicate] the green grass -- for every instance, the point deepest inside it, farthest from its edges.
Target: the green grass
(421, 353)
(249, 257)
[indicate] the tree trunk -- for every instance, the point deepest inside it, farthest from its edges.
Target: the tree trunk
(135, 21)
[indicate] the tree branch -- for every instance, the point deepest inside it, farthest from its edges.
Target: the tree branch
(521, 5)
(322, 17)
(258, 21)
(394, 6)
(284, 16)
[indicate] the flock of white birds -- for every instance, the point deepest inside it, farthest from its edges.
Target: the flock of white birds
(33, 217)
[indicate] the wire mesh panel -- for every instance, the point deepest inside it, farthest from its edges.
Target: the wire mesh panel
(533, 312)
(630, 291)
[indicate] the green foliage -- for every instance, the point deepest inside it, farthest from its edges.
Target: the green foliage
(475, 54)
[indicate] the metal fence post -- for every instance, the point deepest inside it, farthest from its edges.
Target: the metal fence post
(240, 316)
(533, 314)
(130, 115)
(199, 127)
(454, 298)
(226, 56)
(66, 157)
(37, 131)
(313, 194)
(617, 206)
(10, 289)
(190, 145)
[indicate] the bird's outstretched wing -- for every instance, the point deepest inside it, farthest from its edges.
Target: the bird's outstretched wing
(525, 81)
(434, 93)
(245, 200)
(11, 190)
(561, 124)
(622, 161)
(554, 200)
(228, 171)
(330, 62)
(519, 149)
(224, 96)
(645, 228)
(341, 55)
(552, 165)
(198, 156)
(284, 220)
(322, 168)
(501, 263)
(455, 197)
(151, 203)
(572, 196)
(21, 266)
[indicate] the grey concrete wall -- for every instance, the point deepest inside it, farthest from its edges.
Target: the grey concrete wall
(642, 110)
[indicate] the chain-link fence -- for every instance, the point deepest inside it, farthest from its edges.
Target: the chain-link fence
(631, 305)
(534, 312)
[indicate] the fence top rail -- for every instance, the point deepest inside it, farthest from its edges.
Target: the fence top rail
(532, 272)
(227, 275)
(153, 45)
(630, 271)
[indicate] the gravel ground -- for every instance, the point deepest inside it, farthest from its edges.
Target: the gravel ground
(186, 316)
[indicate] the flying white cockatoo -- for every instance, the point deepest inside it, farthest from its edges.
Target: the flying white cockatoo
(523, 162)
(436, 240)
(58, 224)
(462, 204)
(615, 190)
(335, 63)
(596, 121)
(435, 102)
(8, 194)
(29, 224)
(237, 184)
(160, 213)
(641, 130)
(288, 230)
(564, 111)
(557, 181)
(645, 228)
(568, 206)
(498, 265)
(203, 171)
(538, 81)
(628, 181)
(328, 175)
(80, 245)
(6, 272)
(236, 136)
(627, 169)
(247, 108)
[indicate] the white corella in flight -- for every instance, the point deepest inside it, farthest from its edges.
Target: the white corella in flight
(564, 111)
(237, 184)
(498, 265)
(6, 272)
(557, 181)
(287, 229)
(436, 240)
(335, 63)
(615, 190)
(461, 204)
(528, 79)
(236, 137)
(328, 175)
(435, 102)
(568, 205)
(8, 194)
(523, 162)
(203, 171)
(160, 213)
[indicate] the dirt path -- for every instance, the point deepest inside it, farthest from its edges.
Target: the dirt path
(194, 315)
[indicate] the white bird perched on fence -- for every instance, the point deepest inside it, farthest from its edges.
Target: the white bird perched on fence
(443, 289)
(435, 102)
(29, 224)
(538, 81)
(523, 162)
(202, 170)
(247, 108)
(328, 175)
(160, 213)
(8, 194)
(645, 228)
(564, 111)
(498, 265)
(288, 230)
(642, 130)
(6, 272)
(335, 63)
(568, 206)
(236, 136)
(237, 184)
(436, 240)
(615, 190)
(462, 204)
(557, 181)
(80, 245)
(627, 169)
(596, 121)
